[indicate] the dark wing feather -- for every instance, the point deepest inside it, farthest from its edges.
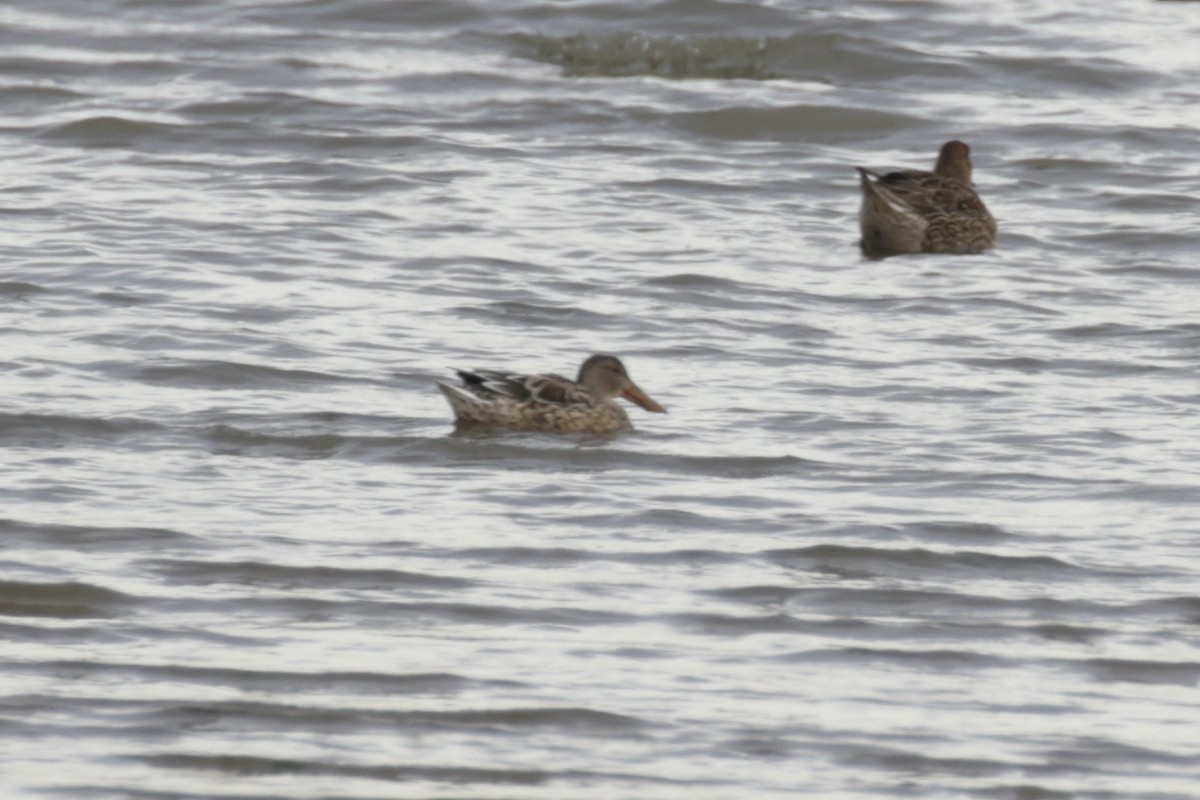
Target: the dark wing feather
(525, 388)
(932, 195)
(490, 383)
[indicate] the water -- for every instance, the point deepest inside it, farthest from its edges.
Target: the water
(923, 527)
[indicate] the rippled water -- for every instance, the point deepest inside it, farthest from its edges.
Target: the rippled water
(921, 527)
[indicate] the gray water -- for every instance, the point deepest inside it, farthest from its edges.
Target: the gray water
(921, 527)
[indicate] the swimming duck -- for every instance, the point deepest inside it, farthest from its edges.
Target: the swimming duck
(925, 212)
(549, 403)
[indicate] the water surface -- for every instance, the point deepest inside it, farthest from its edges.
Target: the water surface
(921, 527)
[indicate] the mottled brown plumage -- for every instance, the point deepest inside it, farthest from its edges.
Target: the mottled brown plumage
(549, 403)
(925, 212)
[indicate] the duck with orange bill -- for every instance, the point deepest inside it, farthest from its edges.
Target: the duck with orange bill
(548, 403)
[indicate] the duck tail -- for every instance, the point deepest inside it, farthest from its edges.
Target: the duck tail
(456, 395)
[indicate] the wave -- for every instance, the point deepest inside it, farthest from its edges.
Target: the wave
(631, 53)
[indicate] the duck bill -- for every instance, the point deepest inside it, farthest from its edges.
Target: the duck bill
(635, 395)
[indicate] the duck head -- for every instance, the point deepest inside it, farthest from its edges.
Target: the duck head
(954, 161)
(605, 377)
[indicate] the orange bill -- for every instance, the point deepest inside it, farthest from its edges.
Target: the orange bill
(635, 395)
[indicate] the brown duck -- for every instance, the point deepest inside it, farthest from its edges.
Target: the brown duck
(549, 403)
(925, 212)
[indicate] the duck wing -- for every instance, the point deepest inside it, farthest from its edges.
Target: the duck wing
(553, 389)
(931, 195)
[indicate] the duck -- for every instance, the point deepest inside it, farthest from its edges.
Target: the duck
(925, 212)
(548, 403)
